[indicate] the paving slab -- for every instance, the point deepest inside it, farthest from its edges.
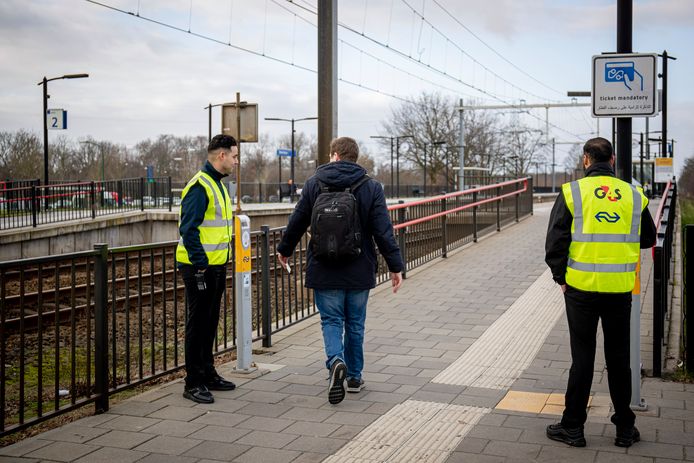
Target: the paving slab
(442, 311)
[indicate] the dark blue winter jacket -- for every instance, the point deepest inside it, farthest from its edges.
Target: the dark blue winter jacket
(375, 226)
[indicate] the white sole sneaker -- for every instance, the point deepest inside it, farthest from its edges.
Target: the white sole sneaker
(336, 386)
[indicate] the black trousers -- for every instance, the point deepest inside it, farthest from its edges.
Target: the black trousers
(202, 319)
(583, 310)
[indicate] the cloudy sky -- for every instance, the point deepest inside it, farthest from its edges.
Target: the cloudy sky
(149, 75)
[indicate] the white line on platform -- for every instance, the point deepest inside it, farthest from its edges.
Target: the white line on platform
(508, 346)
(413, 431)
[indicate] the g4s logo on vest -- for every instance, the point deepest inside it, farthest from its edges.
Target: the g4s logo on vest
(603, 192)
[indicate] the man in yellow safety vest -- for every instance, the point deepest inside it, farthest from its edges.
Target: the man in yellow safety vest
(596, 230)
(202, 254)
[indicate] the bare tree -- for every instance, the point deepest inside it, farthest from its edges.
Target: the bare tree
(431, 118)
(21, 155)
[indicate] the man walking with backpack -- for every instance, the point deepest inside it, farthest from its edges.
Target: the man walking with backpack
(347, 212)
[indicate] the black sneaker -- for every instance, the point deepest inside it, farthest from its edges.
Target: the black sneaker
(336, 386)
(571, 436)
(627, 436)
(355, 385)
(199, 394)
(217, 383)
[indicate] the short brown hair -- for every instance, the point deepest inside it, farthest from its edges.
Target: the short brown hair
(346, 148)
(598, 150)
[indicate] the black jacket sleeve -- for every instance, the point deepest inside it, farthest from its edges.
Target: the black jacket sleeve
(383, 231)
(558, 239)
(193, 209)
(648, 231)
(299, 221)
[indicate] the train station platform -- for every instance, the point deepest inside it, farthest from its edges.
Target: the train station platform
(468, 362)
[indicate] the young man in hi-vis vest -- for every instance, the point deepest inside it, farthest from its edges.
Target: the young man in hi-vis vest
(596, 230)
(202, 254)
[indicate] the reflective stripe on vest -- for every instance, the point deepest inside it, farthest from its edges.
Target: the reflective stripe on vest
(216, 227)
(605, 233)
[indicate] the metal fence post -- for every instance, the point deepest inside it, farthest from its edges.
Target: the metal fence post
(92, 197)
(119, 190)
(401, 239)
(168, 185)
(34, 206)
(444, 230)
(530, 192)
(101, 327)
(265, 286)
(498, 209)
(688, 284)
(657, 309)
(474, 217)
(142, 193)
(517, 196)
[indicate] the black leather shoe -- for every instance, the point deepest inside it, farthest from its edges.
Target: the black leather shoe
(199, 394)
(627, 436)
(571, 436)
(220, 384)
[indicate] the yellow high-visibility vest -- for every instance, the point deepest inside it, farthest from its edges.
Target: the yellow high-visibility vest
(605, 233)
(216, 228)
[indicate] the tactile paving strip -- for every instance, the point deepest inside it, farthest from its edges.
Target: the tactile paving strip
(413, 431)
(508, 346)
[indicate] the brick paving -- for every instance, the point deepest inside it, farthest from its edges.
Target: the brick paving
(442, 309)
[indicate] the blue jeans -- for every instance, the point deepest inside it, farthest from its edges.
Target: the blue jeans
(343, 312)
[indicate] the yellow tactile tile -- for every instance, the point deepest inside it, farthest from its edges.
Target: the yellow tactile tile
(531, 402)
(555, 399)
(550, 409)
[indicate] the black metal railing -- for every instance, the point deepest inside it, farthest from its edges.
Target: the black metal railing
(76, 328)
(663, 271)
(33, 205)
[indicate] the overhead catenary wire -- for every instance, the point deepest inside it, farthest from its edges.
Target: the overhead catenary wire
(433, 69)
(454, 18)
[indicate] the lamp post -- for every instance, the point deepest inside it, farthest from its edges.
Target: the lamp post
(291, 179)
(46, 96)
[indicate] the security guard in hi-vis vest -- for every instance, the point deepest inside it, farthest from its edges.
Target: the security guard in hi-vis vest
(596, 230)
(202, 254)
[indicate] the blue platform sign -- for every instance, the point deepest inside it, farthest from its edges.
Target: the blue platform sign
(286, 153)
(150, 173)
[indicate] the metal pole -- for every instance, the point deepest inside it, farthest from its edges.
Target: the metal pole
(238, 145)
(641, 156)
(663, 133)
(45, 131)
(392, 173)
(554, 145)
(461, 142)
(265, 282)
(291, 173)
(209, 123)
(447, 182)
(101, 327)
(327, 77)
(425, 169)
(624, 45)
(397, 162)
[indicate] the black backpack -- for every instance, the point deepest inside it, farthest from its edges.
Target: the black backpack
(335, 224)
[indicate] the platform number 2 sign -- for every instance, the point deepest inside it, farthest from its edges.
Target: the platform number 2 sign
(57, 119)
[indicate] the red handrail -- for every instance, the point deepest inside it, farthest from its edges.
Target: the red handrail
(457, 209)
(661, 206)
(454, 194)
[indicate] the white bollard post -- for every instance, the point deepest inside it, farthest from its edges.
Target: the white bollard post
(637, 402)
(242, 284)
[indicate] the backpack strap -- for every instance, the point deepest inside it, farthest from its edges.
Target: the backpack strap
(359, 183)
(324, 188)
